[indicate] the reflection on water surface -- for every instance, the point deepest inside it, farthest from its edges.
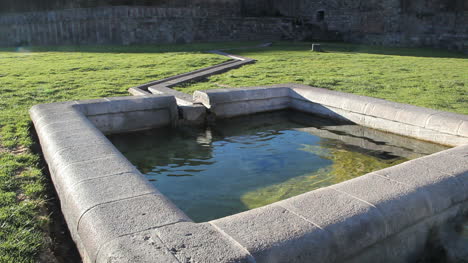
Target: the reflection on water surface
(247, 162)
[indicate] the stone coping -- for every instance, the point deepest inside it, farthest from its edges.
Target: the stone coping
(115, 215)
(422, 123)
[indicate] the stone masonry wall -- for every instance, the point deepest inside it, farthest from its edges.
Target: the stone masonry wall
(139, 25)
(432, 23)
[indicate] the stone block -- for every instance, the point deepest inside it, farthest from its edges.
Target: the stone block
(449, 163)
(442, 189)
(384, 109)
(108, 221)
(195, 113)
(354, 224)
(459, 151)
(132, 121)
(446, 122)
(414, 115)
(190, 242)
(54, 128)
(126, 104)
(463, 129)
(320, 96)
(143, 247)
(356, 104)
(413, 131)
(68, 156)
(239, 108)
(406, 246)
(40, 110)
(81, 197)
(75, 173)
(65, 139)
(216, 97)
(400, 204)
(274, 234)
(60, 117)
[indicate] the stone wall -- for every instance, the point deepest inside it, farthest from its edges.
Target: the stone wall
(16, 6)
(136, 25)
(432, 23)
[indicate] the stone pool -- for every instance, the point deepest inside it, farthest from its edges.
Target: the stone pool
(116, 214)
(242, 163)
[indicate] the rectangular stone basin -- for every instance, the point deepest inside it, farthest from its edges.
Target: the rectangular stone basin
(117, 214)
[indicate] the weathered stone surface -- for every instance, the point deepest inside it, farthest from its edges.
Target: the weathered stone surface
(354, 224)
(274, 234)
(413, 131)
(55, 128)
(212, 98)
(463, 129)
(133, 120)
(142, 25)
(446, 122)
(400, 204)
(399, 23)
(442, 189)
(68, 156)
(58, 117)
(190, 242)
(81, 197)
(108, 221)
(324, 111)
(229, 110)
(40, 110)
(413, 115)
(195, 113)
(459, 151)
(142, 247)
(110, 164)
(126, 104)
(449, 162)
(60, 141)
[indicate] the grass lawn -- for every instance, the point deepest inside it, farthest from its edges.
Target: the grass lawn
(61, 74)
(424, 77)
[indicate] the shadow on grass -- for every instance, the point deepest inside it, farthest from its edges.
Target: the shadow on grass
(155, 48)
(328, 47)
(335, 47)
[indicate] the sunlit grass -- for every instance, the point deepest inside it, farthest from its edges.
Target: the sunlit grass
(28, 76)
(423, 77)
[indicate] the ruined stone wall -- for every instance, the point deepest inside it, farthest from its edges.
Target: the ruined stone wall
(139, 25)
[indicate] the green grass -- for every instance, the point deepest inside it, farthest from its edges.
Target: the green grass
(44, 75)
(423, 77)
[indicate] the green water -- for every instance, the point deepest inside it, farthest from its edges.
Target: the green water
(247, 162)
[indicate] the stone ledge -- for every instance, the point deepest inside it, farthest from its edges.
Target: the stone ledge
(408, 120)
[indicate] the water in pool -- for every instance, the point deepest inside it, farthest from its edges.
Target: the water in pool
(247, 162)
